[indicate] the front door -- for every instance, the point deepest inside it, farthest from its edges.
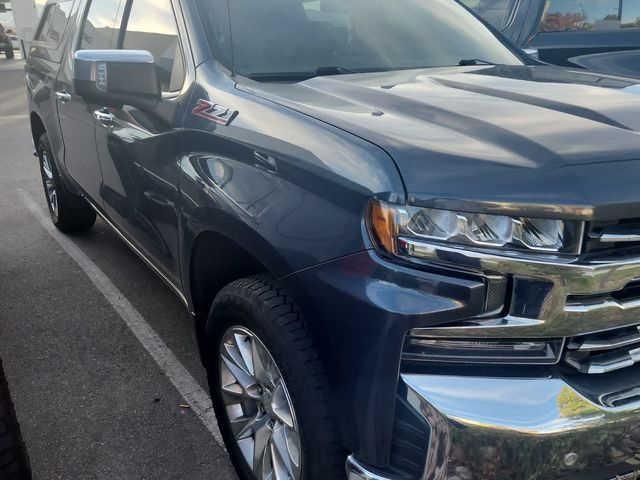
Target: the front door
(76, 116)
(139, 149)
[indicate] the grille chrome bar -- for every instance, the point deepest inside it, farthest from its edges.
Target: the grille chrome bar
(621, 398)
(592, 344)
(606, 362)
(619, 237)
(620, 233)
(548, 280)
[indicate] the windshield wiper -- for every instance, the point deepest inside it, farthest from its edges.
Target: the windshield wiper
(280, 76)
(474, 61)
(333, 70)
(298, 76)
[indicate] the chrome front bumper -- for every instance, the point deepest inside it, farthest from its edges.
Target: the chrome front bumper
(525, 428)
(520, 429)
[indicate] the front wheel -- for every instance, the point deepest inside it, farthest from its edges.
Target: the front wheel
(267, 386)
(9, 52)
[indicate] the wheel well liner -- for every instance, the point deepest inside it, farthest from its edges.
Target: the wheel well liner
(215, 262)
(37, 127)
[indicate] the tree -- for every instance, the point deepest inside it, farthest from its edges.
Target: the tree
(558, 22)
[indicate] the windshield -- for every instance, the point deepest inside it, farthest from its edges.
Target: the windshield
(272, 38)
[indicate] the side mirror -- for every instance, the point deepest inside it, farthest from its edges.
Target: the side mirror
(533, 53)
(113, 78)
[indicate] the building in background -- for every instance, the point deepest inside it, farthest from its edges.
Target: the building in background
(21, 17)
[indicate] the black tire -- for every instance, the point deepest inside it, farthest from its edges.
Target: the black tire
(262, 306)
(14, 463)
(9, 52)
(73, 213)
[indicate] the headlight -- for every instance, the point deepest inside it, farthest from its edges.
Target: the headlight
(390, 223)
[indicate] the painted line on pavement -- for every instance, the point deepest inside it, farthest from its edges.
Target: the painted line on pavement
(12, 118)
(187, 386)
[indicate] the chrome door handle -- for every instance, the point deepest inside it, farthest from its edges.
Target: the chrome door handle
(63, 97)
(105, 117)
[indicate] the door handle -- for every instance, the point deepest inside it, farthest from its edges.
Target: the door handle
(105, 117)
(63, 97)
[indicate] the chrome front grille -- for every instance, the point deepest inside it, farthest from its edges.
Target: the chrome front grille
(605, 351)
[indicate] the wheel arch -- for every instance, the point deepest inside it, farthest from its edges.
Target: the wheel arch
(212, 261)
(215, 261)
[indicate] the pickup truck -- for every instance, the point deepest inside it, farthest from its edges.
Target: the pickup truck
(599, 35)
(410, 251)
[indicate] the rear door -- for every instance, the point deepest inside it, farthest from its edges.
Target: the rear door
(575, 28)
(41, 68)
(139, 149)
(76, 116)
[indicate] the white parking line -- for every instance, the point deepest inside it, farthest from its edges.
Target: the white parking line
(184, 382)
(13, 118)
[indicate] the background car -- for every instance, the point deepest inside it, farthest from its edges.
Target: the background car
(5, 43)
(601, 35)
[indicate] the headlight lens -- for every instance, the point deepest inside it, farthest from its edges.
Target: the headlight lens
(390, 223)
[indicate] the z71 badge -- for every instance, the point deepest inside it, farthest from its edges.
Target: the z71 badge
(214, 112)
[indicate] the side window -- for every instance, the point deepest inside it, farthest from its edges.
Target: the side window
(590, 15)
(45, 24)
(151, 26)
(54, 22)
(98, 25)
(497, 12)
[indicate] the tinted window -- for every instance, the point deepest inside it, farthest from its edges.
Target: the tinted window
(98, 28)
(152, 26)
(54, 22)
(45, 23)
(59, 18)
(278, 37)
(598, 15)
(215, 16)
(497, 12)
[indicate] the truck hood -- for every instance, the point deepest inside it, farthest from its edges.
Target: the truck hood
(531, 140)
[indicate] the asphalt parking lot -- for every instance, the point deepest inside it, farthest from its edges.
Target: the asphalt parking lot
(101, 357)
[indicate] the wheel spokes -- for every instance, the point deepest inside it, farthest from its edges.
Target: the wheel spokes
(261, 460)
(285, 460)
(248, 386)
(49, 183)
(259, 408)
(281, 406)
(46, 167)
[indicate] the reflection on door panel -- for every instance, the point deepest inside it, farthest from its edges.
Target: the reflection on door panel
(138, 149)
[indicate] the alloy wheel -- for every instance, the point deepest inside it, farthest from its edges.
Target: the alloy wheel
(259, 408)
(49, 183)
